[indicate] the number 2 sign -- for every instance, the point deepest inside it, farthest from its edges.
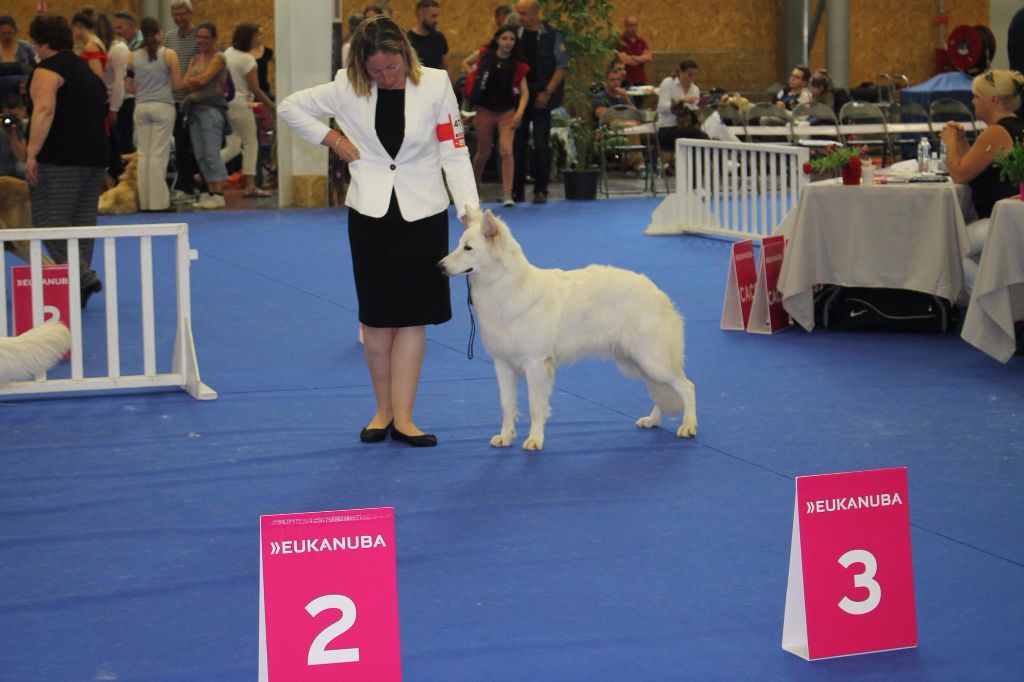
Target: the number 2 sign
(329, 597)
(851, 578)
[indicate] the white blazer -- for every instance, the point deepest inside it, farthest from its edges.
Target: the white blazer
(434, 140)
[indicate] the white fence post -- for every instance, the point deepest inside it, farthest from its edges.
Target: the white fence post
(185, 367)
(740, 190)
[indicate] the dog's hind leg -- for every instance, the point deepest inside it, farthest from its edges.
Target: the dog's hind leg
(688, 391)
(540, 379)
(508, 388)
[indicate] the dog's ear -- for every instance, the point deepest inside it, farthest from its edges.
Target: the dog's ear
(491, 225)
(471, 217)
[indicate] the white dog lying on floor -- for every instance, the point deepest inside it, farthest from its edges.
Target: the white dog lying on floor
(534, 319)
(37, 350)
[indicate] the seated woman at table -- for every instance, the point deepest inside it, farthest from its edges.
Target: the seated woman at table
(997, 95)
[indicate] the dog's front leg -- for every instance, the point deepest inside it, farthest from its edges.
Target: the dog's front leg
(508, 388)
(540, 378)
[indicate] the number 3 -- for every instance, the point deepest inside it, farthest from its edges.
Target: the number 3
(865, 579)
(318, 652)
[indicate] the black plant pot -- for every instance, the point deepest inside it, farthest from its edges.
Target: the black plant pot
(581, 184)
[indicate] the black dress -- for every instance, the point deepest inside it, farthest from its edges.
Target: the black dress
(987, 188)
(394, 261)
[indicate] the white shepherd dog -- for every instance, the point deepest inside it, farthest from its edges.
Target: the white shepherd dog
(37, 350)
(534, 319)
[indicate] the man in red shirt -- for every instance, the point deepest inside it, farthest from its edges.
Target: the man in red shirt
(634, 53)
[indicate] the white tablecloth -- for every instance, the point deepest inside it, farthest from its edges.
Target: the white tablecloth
(908, 236)
(998, 296)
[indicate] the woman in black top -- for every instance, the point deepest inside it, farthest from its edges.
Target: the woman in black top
(500, 96)
(263, 55)
(67, 141)
(997, 95)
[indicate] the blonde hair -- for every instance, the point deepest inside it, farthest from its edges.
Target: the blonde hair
(375, 35)
(1008, 86)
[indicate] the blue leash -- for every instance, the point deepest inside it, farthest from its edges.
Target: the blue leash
(472, 320)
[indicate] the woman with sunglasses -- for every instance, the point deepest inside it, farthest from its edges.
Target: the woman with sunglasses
(997, 96)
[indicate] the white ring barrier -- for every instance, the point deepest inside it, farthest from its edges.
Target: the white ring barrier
(185, 367)
(738, 190)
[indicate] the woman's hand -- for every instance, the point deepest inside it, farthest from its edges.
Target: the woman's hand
(517, 119)
(345, 150)
(952, 133)
(31, 171)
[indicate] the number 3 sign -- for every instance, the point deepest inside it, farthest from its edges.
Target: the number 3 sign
(329, 597)
(851, 578)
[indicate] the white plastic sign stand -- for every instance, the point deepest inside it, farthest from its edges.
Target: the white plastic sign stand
(329, 597)
(851, 576)
(768, 316)
(739, 286)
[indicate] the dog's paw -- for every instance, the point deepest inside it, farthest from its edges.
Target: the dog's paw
(688, 429)
(647, 422)
(502, 441)
(533, 443)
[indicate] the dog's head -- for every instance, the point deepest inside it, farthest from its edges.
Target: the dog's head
(485, 242)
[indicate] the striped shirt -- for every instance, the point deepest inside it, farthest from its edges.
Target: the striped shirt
(186, 48)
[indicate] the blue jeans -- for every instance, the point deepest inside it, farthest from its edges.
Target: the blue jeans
(206, 128)
(541, 120)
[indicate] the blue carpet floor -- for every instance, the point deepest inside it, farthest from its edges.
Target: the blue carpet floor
(129, 544)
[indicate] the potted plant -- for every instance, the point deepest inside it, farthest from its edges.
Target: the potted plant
(590, 39)
(847, 160)
(1011, 165)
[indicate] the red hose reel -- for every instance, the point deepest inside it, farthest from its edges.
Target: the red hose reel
(971, 48)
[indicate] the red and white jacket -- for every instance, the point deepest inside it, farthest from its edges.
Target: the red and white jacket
(434, 140)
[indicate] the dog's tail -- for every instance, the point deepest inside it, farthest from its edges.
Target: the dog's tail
(665, 397)
(37, 350)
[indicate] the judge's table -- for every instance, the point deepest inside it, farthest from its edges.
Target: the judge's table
(908, 233)
(997, 299)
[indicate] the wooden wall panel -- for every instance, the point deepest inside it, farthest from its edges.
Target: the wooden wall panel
(226, 14)
(24, 10)
(899, 37)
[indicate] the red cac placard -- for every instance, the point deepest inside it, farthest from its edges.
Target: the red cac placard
(851, 577)
(329, 597)
(739, 286)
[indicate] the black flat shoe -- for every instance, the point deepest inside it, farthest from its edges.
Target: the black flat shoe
(369, 435)
(424, 440)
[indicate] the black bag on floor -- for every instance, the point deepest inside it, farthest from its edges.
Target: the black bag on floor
(867, 309)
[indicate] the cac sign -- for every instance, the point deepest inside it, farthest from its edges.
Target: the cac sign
(767, 315)
(329, 597)
(851, 577)
(739, 286)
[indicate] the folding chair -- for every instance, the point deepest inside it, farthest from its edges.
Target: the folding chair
(867, 113)
(624, 116)
(767, 114)
(732, 117)
(816, 114)
(947, 109)
(905, 111)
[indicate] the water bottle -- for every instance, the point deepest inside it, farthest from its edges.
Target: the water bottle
(943, 168)
(924, 154)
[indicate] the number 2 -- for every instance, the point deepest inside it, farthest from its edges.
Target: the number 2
(319, 654)
(865, 579)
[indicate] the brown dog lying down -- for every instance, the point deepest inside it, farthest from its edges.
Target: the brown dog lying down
(16, 213)
(123, 197)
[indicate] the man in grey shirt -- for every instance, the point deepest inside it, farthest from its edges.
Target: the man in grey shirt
(182, 40)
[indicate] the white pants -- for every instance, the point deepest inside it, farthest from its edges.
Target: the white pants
(243, 136)
(154, 128)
